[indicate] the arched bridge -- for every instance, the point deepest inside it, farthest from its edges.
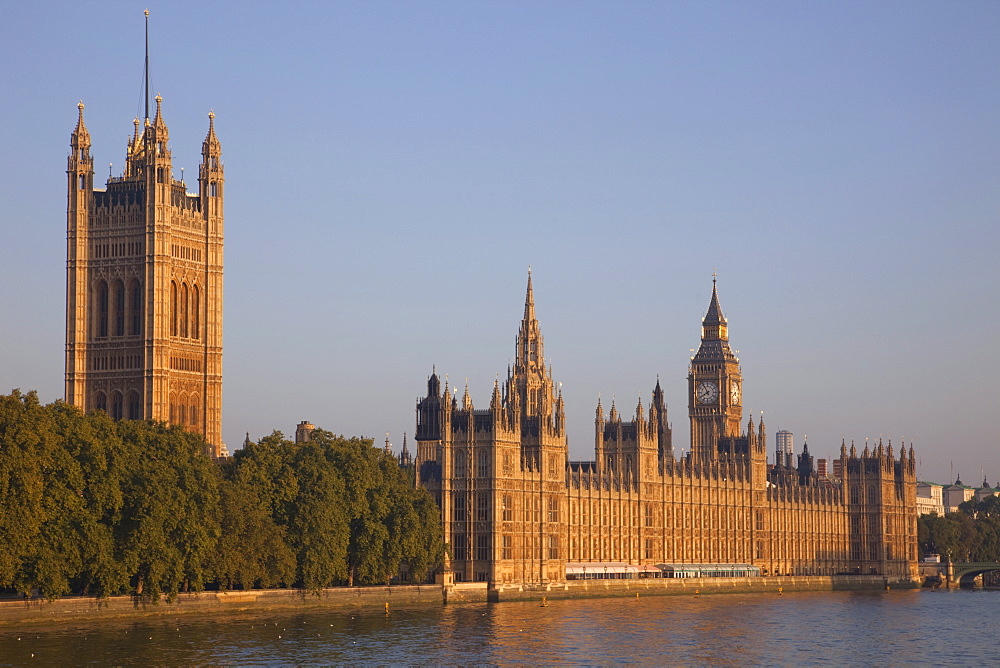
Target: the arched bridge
(957, 573)
(964, 572)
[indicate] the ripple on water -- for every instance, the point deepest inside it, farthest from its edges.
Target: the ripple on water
(840, 628)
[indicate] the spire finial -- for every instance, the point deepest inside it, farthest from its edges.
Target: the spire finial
(529, 300)
(145, 69)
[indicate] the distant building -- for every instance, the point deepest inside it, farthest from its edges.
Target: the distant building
(955, 495)
(930, 498)
(785, 441)
(986, 491)
(304, 431)
(822, 469)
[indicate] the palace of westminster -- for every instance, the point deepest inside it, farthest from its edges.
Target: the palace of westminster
(144, 341)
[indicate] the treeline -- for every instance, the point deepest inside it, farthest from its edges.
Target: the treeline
(93, 506)
(972, 534)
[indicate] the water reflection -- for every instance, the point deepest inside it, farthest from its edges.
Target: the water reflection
(844, 628)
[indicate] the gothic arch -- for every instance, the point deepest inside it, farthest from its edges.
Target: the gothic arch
(193, 410)
(173, 312)
(119, 328)
(134, 406)
(184, 310)
(101, 401)
(101, 308)
(135, 307)
(182, 404)
(117, 405)
(195, 312)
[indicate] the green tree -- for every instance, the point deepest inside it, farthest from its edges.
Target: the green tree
(252, 551)
(169, 528)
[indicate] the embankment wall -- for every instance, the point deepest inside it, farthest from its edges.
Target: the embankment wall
(86, 608)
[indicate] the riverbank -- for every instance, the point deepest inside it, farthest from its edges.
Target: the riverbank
(85, 608)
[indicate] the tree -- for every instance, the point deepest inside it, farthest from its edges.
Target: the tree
(252, 551)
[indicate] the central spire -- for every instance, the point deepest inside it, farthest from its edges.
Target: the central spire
(529, 300)
(714, 315)
(529, 339)
(714, 331)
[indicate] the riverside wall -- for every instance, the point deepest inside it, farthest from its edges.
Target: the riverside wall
(16, 612)
(693, 586)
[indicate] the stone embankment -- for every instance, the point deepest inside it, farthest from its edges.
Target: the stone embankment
(86, 608)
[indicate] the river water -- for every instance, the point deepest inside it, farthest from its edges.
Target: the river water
(842, 628)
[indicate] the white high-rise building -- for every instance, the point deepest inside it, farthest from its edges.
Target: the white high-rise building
(785, 441)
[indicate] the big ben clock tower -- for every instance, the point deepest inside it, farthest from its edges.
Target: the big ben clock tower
(715, 386)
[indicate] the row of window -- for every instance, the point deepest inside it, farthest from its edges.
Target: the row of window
(118, 249)
(119, 406)
(117, 307)
(461, 547)
(115, 362)
(556, 464)
(185, 310)
(532, 512)
(184, 412)
(185, 364)
(185, 252)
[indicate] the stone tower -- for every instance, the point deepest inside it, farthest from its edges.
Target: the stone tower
(715, 385)
(144, 284)
(499, 473)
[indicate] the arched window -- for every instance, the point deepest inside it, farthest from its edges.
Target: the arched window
(173, 410)
(193, 412)
(83, 178)
(101, 402)
(173, 309)
(214, 189)
(136, 308)
(181, 414)
(184, 310)
(134, 407)
(119, 309)
(195, 313)
(117, 406)
(102, 309)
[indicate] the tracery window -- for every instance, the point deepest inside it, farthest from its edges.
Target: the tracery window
(173, 310)
(102, 309)
(195, 313)
(119, 309)
(134, 407)
(136, 308)
(184, 311)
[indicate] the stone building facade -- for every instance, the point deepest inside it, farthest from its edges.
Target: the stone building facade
(515, 509)
(144, 283)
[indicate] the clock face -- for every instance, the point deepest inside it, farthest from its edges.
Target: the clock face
(734, 394)
(707, 392)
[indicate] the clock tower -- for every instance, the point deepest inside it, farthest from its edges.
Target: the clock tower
(715, 386)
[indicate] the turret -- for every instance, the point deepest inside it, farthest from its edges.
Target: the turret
(159, 171)
(211, 173)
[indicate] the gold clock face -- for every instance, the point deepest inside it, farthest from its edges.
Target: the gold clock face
(734, 393)
(707, 392)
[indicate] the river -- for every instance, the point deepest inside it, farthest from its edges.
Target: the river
(842, 628)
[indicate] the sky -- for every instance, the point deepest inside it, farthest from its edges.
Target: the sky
(394, 168)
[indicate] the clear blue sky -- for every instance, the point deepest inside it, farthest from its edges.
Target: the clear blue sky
(393, 169)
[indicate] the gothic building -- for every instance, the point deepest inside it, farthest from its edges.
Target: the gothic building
(515, 509)
(144, 283)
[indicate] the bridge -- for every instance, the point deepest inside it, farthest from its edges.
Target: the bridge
(954, 574)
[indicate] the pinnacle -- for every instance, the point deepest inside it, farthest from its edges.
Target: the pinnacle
(714, 315)
(529, 300)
